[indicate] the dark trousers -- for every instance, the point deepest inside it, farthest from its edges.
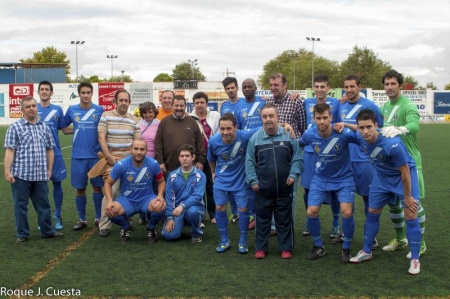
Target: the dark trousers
(208, 198)
(282, 211)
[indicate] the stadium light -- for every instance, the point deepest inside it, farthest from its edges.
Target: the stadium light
(313, 39)
(76, 43)
(193, 64)
(112, 65)
(294, 55)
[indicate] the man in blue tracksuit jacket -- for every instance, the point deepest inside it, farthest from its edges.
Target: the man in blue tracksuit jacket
(184, 197)
(273, 164)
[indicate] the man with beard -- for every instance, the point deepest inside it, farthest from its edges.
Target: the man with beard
(173, 132)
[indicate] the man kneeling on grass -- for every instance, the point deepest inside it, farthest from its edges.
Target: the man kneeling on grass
(184, 197)
(136, 173)
(395, 176)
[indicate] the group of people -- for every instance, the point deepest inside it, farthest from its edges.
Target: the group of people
(176, 167)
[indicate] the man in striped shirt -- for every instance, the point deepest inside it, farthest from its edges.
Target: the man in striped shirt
(116, 131)
(28, 166)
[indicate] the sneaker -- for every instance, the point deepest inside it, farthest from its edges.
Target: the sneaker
(196, 239)
(345, 257)
(316, 252)
(234, 218)
(104, 232)
(251, 223)
(414, 267)
(58, 222)
(152, 236)
(361, 257)
(202, 225)
(334, 233)
(97, 222)
(375, 244)
(422, 251)
(286, 254)
(21, 240)
(338, 240)
(80, 225)
(273, 232)
(395, 244)
(243, 248)
(260, 254)
(213, 221)
(306, 232)
(125, 235)
(38, 228)
(223, 246)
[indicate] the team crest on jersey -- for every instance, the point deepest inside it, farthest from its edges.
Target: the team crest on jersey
(55, 117)
(337, 147)
(94, 117)
(395, 117)
(343, 115)
(147, 175)
(311, 108)
(224, 156)
(244, 114)
(317, 149)
(242, 150)
(77, 118)
(38, 117)
(130, 177)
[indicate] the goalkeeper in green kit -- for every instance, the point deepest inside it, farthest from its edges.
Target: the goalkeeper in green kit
(401, 118)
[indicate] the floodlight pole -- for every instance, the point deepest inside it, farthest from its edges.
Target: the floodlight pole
(313, 39)
(76, 43)
(112, 65)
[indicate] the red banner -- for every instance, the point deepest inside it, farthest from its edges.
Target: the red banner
(16, 93)
(106, 93)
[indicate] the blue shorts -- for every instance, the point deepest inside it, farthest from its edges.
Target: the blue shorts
(221, 197)
(132, 207)
(320, 190)
(386, 189)
(59, 171)
(309, 160)
(79, 171)
(363, 173)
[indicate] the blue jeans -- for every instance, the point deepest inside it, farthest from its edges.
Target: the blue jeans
(22, 192)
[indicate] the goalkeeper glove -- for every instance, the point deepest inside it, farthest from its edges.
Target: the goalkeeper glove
(391, 131)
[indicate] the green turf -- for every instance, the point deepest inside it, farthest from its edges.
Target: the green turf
(105, 267)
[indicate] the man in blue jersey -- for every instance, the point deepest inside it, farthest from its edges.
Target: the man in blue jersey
(226, 155)
(184, 197)
(53, 117)
(273, 163)
(85, 118)
(332, 174)
(136, 173)
(321, 89)
(362, 170)
(395, 176)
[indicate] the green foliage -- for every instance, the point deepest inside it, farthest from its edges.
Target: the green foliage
(163, 77)
(447, 86)
(409, 80)
(49, 55)
(427, 86)
(185, 71)
(365, 64)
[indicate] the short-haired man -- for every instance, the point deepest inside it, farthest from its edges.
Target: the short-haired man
(332, 174)
(85, 118)
(173, 132)
(28, 166)
(116, 131)
(231, 87)
(362, 170)
(395, 176)
(136, 173)
(208, 122)
(401, 118)
(321, 89)
(184, 197)
(166, 104)
(273, 153)
(226, 157)
(53, 117)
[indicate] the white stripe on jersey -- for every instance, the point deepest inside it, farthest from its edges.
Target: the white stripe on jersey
(255, 105)
(330, 145)
(233, 153)
(50, 115)
(140, 175)
(392, 114)
(354, 110)
(375, 152)
(88, 114)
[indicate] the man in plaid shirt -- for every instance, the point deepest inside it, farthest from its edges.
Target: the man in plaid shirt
(28, 166)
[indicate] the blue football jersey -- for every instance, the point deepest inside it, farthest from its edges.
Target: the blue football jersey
(229, 107)
(53, 117)
(248, 114)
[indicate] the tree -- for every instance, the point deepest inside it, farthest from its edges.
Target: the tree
(409, 82)
(49, 55)
(447, 86)
(365, 64)
(296, 66)
(163, 77)
(428, 85)
(185, 71)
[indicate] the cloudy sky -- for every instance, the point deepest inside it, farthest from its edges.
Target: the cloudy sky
(151, 37)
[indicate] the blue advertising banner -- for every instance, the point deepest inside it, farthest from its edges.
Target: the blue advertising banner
(442, 103)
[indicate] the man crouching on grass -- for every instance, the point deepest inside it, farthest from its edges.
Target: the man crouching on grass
(395, 176)
(136, 173)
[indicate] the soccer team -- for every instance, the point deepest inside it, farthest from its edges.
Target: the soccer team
(252, 152)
